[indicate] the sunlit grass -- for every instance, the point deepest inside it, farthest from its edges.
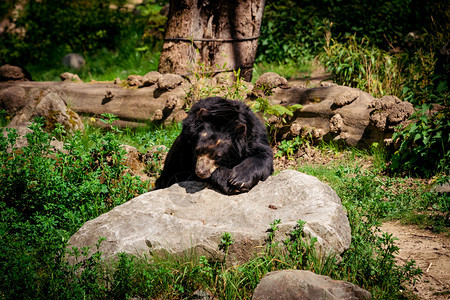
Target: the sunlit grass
(289, 71)
(106, 65)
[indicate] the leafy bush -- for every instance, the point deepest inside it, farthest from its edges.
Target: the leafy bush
(293, 31)
(45, 195)
(424, 144)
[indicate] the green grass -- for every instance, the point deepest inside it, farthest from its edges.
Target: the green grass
(106, 65)
(46, 196)
(289, 71)
(143, 138)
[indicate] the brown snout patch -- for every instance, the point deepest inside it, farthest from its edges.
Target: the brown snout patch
(205, 166)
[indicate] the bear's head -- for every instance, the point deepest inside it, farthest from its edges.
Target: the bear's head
(218, 142)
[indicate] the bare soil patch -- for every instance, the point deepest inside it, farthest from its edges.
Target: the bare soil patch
(431, 252)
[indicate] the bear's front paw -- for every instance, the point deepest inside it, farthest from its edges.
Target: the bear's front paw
(220, 178)
(241, 180)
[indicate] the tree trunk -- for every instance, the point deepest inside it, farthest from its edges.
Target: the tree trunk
(221, 35)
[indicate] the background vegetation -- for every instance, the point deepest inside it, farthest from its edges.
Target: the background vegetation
(388, 47)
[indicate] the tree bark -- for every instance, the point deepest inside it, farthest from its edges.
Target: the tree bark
(221, 35)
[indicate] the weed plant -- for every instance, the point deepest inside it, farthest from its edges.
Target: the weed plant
(207, 81)
(428, 137)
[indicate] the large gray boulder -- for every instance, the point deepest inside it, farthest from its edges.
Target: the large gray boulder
(190, 216)
(299, 284)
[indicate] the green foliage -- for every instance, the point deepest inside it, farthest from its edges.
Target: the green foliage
(45, 195)
(149, 136)
(114, 41)
(4, 118)
(276, 116)
(154, 23)
(225, 242)
(427, 137)
(289, 147)
(290, 33)
(363, 66)
(80, 25)
(295, 31)
(206, 83)
(289, 71)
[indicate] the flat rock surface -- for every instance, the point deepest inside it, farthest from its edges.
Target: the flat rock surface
(190, 216)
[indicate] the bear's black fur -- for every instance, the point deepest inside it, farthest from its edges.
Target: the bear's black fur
(222, 142)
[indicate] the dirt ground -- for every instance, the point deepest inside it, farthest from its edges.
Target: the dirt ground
(431, 252)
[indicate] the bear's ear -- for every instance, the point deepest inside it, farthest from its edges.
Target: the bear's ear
(202, 113)
(240, 129)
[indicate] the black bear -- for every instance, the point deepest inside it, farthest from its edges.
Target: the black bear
(222, 142)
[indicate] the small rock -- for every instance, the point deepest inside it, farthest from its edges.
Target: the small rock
(135, 162)
(135, 80)
(299, 284)
(157, 115)
(346, 97)
(336, 123)
(270, 80)
(74, 61)
(442, 188)
(179, 116)
(9, 72)
(66, 76)
(169, 81)
(296, 129)
(151, 78)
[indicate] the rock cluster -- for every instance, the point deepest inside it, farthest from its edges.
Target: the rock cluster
(330, 112)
